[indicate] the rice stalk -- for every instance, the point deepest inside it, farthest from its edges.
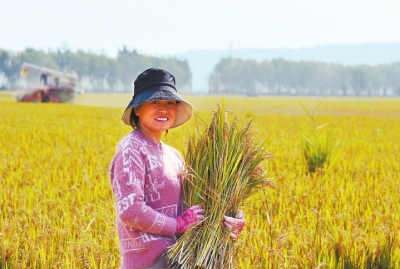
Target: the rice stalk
(224, 167)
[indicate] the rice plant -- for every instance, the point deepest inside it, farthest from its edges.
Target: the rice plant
(319, 151)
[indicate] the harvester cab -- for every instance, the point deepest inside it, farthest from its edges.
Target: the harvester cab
(50, 85)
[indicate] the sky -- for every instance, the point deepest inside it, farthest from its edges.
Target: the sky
(168, 27)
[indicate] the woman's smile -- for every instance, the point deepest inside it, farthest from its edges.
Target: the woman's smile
(162, 119)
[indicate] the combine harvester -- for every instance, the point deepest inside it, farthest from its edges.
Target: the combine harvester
(53, 87)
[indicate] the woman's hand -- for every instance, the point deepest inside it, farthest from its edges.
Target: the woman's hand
(188, 218)
(235, 225)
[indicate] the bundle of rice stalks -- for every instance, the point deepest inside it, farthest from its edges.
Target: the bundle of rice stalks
(224, 168)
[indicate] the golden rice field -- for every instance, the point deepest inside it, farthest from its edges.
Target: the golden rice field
(57, 211)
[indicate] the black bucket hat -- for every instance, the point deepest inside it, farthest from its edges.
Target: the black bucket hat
(157, 84)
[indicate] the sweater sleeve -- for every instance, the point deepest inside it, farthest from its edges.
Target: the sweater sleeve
(128, 174)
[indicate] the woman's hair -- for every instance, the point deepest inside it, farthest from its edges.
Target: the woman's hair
(134, 119)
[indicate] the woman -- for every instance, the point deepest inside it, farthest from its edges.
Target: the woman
(145, 175)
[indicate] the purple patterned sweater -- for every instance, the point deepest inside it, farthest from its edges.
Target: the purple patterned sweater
(147, 191)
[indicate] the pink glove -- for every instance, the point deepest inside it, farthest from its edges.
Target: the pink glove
(188, 218)
(235, 225)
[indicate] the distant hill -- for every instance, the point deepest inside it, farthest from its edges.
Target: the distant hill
(202, 62)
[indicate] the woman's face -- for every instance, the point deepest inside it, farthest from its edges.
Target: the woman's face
(156, 116)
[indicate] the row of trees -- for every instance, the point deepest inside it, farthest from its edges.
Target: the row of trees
(231, 75)
(96, 72)
(281, 77)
